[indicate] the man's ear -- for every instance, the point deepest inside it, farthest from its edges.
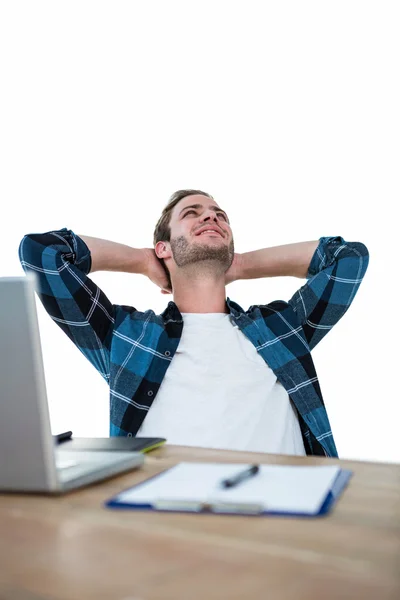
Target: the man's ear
(162, 250)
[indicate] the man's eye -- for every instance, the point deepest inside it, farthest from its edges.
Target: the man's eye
(192, 211)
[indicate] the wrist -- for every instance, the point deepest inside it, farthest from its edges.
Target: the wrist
(239, 266)
(235, 271)
(138, 261)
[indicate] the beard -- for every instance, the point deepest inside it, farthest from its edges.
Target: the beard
(214, 258)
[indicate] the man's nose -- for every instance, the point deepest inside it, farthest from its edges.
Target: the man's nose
(210, 216)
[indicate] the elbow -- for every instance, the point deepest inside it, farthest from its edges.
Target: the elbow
(361, 253)
(25, 251)
(31, 250)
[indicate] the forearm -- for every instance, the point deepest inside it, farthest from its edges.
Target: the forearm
(112, 256)
(291, 260)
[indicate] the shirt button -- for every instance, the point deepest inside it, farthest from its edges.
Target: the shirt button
(129, 435)
(150, 393)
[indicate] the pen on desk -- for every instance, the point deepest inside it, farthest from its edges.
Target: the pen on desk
(63, 437)
(236, 479)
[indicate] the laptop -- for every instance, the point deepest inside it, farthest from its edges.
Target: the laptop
(30, 458)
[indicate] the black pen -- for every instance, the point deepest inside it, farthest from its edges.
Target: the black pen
(63, 437)
(232, 481)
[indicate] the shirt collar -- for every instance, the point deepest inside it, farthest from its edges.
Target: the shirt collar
(173, 312)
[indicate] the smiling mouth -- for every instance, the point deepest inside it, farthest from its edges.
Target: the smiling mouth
(209, 233)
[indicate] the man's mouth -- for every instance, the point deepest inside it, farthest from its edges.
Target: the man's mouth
(209, 232)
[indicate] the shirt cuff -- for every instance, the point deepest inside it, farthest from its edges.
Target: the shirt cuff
(324, 256)
(80, 257)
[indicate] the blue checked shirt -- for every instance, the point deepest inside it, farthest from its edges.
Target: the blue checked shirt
(132, 350)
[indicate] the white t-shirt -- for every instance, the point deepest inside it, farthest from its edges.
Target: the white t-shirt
(218, 392)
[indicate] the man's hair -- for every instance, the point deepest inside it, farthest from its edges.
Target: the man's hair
(162, 231)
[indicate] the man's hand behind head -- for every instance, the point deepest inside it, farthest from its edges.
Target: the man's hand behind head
(156, 272)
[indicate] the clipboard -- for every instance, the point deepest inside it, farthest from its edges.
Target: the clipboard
(280, 490)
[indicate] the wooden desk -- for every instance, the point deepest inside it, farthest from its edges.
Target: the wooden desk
(71, 547)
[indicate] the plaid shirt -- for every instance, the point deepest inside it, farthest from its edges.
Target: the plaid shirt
(132, 350)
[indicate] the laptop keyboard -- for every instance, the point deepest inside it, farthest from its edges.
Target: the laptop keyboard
(65, 464)
(76, 465)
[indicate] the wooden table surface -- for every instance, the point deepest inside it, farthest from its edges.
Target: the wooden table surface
(73, 548)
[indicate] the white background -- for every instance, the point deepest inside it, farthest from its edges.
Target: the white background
(287, 112)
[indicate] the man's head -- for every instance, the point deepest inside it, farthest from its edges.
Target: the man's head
(177, 242)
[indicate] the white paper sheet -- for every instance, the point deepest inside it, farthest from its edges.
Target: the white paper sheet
(282, 488)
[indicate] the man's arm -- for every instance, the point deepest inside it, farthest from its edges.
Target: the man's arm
(111, 256)
(334, 276)
(290, 259)
(61, 261)
(334, 269)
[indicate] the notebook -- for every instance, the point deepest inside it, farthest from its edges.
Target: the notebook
(307, 491)
(117, 444)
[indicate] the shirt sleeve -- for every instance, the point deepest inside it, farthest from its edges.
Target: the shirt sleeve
(60, 261)
(334, 276)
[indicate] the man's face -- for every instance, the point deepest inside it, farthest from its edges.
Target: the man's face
(213, 249)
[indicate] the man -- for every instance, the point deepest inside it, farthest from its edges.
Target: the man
(204, 372)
